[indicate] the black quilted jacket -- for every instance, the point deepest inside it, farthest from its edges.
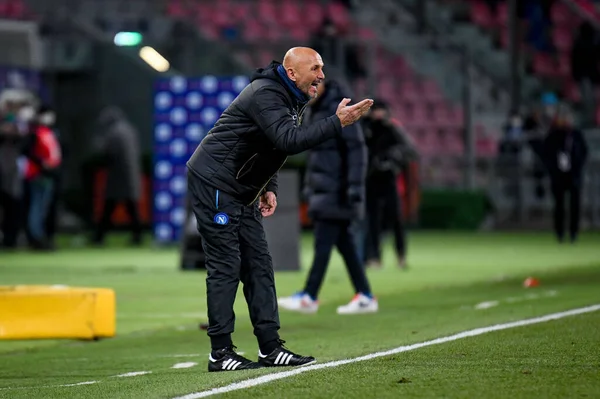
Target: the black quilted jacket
(250, 142)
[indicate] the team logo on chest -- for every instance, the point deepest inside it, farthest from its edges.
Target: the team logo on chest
(221, 218)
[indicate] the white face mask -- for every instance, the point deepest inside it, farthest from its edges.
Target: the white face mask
(26, 114)
(48, 119)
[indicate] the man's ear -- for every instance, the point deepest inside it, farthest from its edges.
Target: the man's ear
(291, 74)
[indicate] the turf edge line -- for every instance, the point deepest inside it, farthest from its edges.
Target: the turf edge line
(465, 334)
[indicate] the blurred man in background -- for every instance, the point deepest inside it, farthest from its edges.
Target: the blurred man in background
(536, 127)
(565, 151)
(335, 189)
(43, 159)
(118, 141)
(390, 151)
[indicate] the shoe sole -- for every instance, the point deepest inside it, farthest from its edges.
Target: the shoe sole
(301, 365)
(223, 370)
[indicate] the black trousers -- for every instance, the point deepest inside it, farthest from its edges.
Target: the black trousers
(11, 219)
(339, 233)
(109, 207)
(560, 187)
(236, 250)
(383, 204)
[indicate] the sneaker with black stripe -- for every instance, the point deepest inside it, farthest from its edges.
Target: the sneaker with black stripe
(227, 359)
(282, 357)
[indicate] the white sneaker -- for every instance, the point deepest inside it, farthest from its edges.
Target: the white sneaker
(299, 302)
(359, 304)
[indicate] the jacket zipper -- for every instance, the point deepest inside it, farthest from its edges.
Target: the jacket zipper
(300, 113)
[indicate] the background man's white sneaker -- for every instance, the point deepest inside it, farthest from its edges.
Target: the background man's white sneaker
(359, 304)
(299, 302)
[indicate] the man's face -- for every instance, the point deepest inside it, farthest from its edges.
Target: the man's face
(308, 75)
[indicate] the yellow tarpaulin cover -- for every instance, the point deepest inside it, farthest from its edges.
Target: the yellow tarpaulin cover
(53, 311)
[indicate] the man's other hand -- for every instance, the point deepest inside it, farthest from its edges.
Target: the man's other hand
(350, 114)
(268, 203)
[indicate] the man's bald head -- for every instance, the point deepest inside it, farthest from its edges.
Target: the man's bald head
(304, 67)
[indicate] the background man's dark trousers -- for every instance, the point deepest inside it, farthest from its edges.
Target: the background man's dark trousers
(236, 250)
(110, 205)
(339, 233)
(561, 185)
(383, 204)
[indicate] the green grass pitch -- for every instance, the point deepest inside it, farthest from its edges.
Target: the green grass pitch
(455, 282)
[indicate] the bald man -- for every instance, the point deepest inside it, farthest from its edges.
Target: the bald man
(232, 181)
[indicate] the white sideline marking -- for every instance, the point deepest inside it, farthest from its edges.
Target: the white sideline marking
(487, 305)
(133, 374)
(185, 365)
(79, 383)
(514, 299)
(465, 334)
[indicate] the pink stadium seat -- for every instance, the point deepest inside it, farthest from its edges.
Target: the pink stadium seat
(410, 91)
(366, 33)
(560, 14)
(299, 34)
(290, 14)
(338, 13)
(562, 38)
(564, 66)
(400, 67)
(240, 11)
(481, 15)
(174, 9)
(454, 142)
(254, 31)
(431, 91)
(313, 14)
(267, 11)
(203, 12)
(544, 65)
(386, 89)
(571, 91)
(502, 17)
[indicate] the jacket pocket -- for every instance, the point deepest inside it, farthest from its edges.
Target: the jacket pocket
(246, 167)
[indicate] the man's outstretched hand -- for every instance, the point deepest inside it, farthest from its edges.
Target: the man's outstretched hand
(268, 203)
(350, 114)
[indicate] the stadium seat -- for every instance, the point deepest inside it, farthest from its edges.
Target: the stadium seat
(338, 13)
(313, 14)
(562, 38)
(291, 15)
(267, 11)
(544, 65)
(481, 15)
(560, 15)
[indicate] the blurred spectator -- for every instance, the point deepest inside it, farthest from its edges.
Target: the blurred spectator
(566, 152)
(330, 43)
(537, 125)
(44, 156)
(47, 117)
(335, 189)
(390, 151)
(585, 64)
(539, 24)
(117, 140)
